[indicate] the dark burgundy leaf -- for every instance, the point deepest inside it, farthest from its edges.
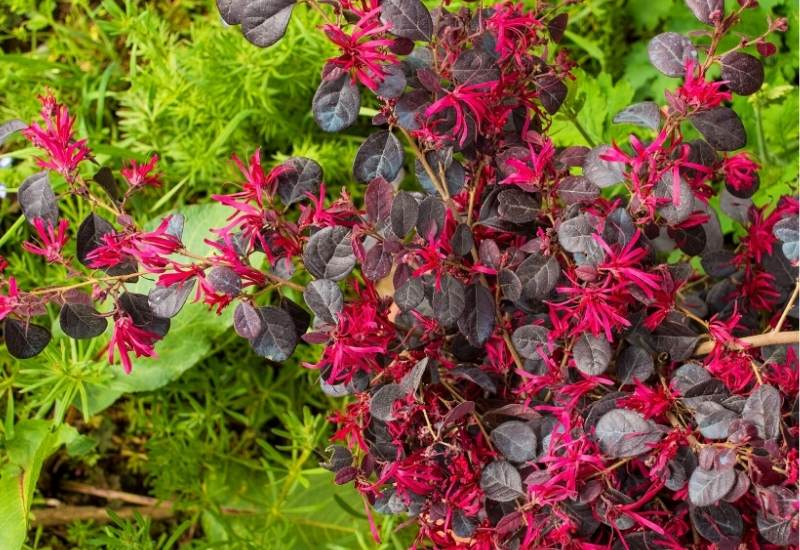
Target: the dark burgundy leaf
(707, 487)
(574, 155)
(602, 173)
(474, 67)
(232, 11)
(671, 212)
(719, 263)
(517, 206)
(713, 420)
(404, 214)
(777, 530)
(410, 294)
(246, 321)
(515, 441)
(646, 114)
(137, 306)
(377, 263)
(449, 301)
(552, 92)
(394, 82)
(105, 179)
(301, 319)
(336, 104)
(721, 523)
(24, 340)
(382, 402)
(265, 21)
(476, 376)
(324, 298)
(501, 482)
(37, 199)
(224, 280)
(7, 129)
(81, 321)
(676, 338)
(329, 253)
(703, 10)
(669, 52)
(735, 207)
(691, 241)
(711, 389)
(539, 275)
(575, 234)
(167, 301)
(175, 226)
(380, 156)
(278, 336)
(410, 107)
(556, 27)
(412, 379)
(478, 319)
(634, 363)
(577, 189)
(298, 176)
(623, 433)
(528, 339)
(763, 410)
(461, 241)
(510, 285)
(721, 127)
(430, 220)
(743, 72)
(592, 354)
(378, 201)
(462, 525)
(408, 18)
(458, 412)
(787, 232)
(340, 457)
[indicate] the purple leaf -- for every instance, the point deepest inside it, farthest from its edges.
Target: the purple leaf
(669, 52)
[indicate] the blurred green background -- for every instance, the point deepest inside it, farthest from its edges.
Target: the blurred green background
(232, 440)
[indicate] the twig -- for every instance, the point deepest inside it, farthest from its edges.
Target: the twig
(788, 307)
(62, 515)
(110, 494)
(755, 341)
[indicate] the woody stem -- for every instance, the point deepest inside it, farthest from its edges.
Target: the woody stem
(755, 341)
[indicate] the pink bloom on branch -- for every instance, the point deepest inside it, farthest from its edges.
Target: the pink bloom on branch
(139, 175)
(529, 174)
(697, 93)
(466, 100)
(10, 301)
(57, 139)
(514, 29)
(151, 249)
(126, 338)
(740, 171)
(362, 56)
(52, 238)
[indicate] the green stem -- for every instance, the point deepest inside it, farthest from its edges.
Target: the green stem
(11, 230)
(573, 118)
(762, 149)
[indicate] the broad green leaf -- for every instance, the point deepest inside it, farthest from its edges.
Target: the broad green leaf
(33, 441)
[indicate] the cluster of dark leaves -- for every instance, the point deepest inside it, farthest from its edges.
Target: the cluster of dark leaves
(521, 354)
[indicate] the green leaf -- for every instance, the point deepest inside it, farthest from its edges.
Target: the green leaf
(33, 441)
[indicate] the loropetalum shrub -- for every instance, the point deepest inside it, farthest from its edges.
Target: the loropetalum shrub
(533, 362)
